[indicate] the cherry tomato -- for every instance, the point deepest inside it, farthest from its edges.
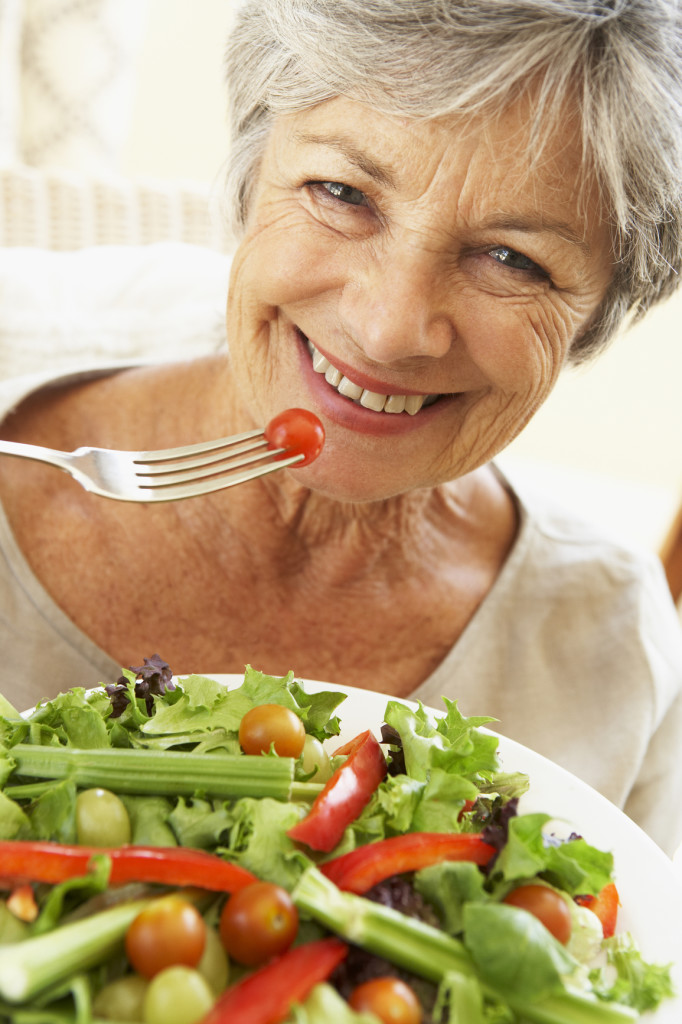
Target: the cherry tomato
(299, 432)
(258, 922)
(389, 999)
(547, 905)
(170, 931)
(271, 723)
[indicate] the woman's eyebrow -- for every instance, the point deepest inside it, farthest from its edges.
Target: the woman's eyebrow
(538, 225)
(343, 145)
(531, 223)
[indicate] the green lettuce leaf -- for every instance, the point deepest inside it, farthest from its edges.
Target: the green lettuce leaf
(149, 820)
(572, 865)
(447, 887)
(53, 813)
(200, 709)
(14, 822)
(258, 840)
(202, 705)
(203, 824)
(637, 983)
(454, 744)
(513, 951)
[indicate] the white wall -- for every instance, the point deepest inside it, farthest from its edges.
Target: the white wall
(609, 438)
(178, 122)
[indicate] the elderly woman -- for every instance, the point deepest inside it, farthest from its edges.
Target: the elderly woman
(440, 204)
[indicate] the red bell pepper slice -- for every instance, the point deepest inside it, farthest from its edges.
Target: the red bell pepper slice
(23, 860)
(345, 795)
(365, 866)
(267, 995)
(605, 906)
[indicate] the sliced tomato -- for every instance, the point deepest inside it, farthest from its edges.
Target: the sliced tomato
(605, 906)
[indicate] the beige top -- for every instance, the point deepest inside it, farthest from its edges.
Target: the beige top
(577, 651)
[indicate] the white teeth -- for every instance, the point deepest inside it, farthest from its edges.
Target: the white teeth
(410, 404)
(349, 389)
(333, 376)
(413, 403)
(372, 400)
(320, 363)
(395, 403)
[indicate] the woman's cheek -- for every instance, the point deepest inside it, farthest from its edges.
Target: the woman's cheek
(525, 348)
(288, 255)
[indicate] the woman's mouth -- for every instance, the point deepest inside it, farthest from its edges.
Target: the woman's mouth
(373, 400)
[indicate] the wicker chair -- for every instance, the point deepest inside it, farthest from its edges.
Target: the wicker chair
(59, 210)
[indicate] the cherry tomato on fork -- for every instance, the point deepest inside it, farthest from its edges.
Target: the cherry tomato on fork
(299, 432)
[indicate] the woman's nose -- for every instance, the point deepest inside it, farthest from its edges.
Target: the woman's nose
(397, 306)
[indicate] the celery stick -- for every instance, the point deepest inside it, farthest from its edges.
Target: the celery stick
(164, 772)
(404, 941)
(432, 953)
(29, 790)
(36, 963)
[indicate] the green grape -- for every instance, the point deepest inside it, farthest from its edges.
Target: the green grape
(214, 964)
(316, 757)
(177, 995)
(122, 999)
(101, 818)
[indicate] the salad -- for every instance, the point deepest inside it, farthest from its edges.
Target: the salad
(177, 851)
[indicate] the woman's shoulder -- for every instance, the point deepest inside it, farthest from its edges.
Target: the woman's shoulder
(558, 536)
(582, 572)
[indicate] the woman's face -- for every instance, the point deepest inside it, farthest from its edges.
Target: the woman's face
(417, 286)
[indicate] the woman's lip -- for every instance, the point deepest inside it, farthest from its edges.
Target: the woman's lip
(361, 379)
(330, 405)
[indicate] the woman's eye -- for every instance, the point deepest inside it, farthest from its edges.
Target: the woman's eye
(346, 193)
(516, 260)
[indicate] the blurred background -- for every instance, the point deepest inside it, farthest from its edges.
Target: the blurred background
(109, 102)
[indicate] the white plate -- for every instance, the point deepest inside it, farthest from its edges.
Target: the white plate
(650, 893)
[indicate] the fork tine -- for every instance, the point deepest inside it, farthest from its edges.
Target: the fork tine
(163, 454)
(185, 470)
(181, 467)
(155, 490)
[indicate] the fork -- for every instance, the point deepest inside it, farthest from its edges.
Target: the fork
(169, 474)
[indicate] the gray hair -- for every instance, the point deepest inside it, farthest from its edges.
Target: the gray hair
(620, 59)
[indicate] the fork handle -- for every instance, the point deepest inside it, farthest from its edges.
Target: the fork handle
(38, 454)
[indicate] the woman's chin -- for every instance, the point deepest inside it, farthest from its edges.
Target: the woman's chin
(341, 482)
